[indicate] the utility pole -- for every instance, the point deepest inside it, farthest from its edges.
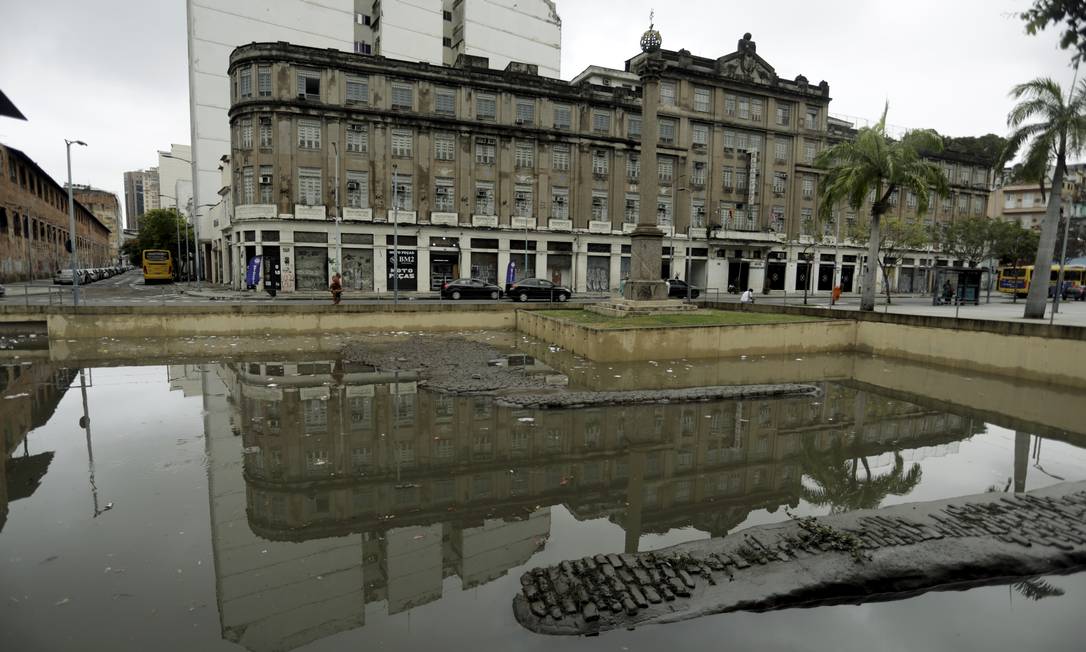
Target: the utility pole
(71, 224)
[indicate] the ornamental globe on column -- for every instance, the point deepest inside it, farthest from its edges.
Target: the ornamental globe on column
(651, 39)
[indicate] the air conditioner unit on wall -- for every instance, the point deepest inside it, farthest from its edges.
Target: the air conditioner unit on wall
(265, 179)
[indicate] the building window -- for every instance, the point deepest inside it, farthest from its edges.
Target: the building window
(729, 140)
(962, 204)
(484, 152)
(444, 146)
(808, 187)
(263, 81)
(806, 221)
(361, 47)
(667, 93)
(700, 135)
(665, 169)
(729, 105)
(309, 186)
(265, 184)
(978, 206)
(910, 199)
(402, 142)
(524, 155)
(246, 130)
(780, 151)
(246, 185)
(809, 150)
(265, 132)
(811, 121)
(358, 89)
(444, 199)
(632, 211)
(358, 189)
(560, 203)
(309, 84)
(779, 180)
(633, 167)
(703, 102)
(744, 108)
(403, 96)
(484, 198)
(405, 192)
(445, 101)
(357, 138)
(667, 131)
(522, 201)
(633, 126)
(599, 207)
(560, 158)
(562, 116)
(601, 122)
(525, 112)
(697, 213)
(486, 107)
(697, 177)
(599, 163)
(776, 218)
(784, 114)
(729, 181)
(309, 134)
(663, 211)
(755, 109)
(246, 81)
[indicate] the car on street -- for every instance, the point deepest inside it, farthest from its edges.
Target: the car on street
(676, 289)
(470, 288)
(540, 289)
(1073, 293)
(63, 277)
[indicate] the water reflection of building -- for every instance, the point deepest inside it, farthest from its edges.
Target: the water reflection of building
(29, 394)
(347, 474)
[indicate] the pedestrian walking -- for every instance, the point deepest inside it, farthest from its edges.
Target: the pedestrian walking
(746, 299)
(336, 287)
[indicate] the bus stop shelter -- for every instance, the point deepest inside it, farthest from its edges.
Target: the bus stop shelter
(959, 285)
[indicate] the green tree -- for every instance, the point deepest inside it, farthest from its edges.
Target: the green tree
(1059, 132)
(837, 482)
(895, 236)
(971, 239)
(1013, 245)
(160, 228)
(875, 163)
(1072, 12)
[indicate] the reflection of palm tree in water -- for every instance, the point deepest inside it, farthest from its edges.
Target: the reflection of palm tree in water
(835, 475)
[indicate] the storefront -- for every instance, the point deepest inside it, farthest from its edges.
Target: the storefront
(848, 274)
(825, 273)
(560, 262)
(775, 269)
(311, 268)
(598, 269)
(522, 254)
(401, 264)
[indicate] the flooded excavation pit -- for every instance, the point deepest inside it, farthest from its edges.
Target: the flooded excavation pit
(373, 490)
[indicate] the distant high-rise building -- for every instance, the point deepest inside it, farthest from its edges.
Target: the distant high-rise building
(432, 31)
(140, 195)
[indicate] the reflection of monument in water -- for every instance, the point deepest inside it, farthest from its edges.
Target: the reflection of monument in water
(29, 395)
(335, 486)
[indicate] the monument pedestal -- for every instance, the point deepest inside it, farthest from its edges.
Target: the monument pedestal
(627, 307)
(645, 293)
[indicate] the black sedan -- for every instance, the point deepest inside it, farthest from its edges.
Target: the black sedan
(537, 288)
(676, 289)
(470, 288)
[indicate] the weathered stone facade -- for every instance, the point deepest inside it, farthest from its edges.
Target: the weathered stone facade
(34, 223)
(106, 208)
(493, 167)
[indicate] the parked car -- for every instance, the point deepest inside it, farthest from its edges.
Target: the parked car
(1073, 293)
(537, 288)
(470, 288)
(3, 291)
(63, 277)
(676, 289)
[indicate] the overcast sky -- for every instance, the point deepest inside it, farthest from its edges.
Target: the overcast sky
(113, 72)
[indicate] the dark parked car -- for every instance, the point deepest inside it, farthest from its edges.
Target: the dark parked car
(676, 289)
(470, 288)
(537, 288)
(1073, 293)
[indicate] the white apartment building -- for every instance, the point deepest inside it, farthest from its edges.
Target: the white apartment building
(414, 30)
(175, 177)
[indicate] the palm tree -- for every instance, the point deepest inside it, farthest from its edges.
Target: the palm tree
(875, 163)
(1059, 133)
(837, 482)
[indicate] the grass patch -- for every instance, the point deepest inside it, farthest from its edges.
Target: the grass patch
(699, 318)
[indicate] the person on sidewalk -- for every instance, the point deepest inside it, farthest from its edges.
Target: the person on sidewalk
(745, 299)
(336, 287)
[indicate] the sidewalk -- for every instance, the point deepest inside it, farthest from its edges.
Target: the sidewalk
(223, 293)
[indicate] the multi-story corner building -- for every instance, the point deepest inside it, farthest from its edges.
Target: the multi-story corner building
(141, 194)
(34, 222)
(107, 209)
(433, 31)
(486, 167)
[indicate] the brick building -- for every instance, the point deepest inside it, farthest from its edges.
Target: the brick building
(34, 222)
(107, 208)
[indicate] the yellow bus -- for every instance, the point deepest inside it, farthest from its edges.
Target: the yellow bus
(1016, 280)
(157, 266)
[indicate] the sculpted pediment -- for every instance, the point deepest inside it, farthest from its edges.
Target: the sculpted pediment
(746, 65)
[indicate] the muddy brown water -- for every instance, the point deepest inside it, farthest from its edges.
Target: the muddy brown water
(298, 502)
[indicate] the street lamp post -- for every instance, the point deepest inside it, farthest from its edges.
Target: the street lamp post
(71, 223)
(195, 226)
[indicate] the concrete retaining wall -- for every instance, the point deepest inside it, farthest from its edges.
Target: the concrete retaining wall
(691, 342)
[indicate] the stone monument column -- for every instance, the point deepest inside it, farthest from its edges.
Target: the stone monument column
(646, 250)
